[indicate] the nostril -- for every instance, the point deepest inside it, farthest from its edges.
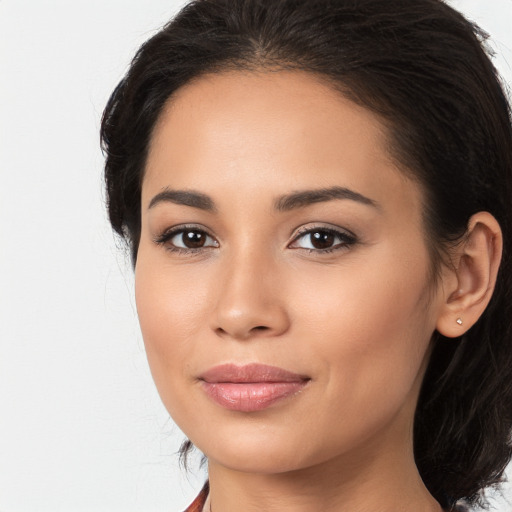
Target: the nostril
(220, 330)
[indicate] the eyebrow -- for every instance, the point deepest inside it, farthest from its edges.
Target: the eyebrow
(283, 203)
(306, 197)
(186, 198)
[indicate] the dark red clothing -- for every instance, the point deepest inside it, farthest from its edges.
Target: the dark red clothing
(198, 504)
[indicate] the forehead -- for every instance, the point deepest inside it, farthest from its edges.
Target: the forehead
(266, 109)
(275, 130)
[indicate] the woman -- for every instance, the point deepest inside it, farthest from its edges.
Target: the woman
(316, 195)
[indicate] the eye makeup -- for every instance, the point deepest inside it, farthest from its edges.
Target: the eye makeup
(192, 239)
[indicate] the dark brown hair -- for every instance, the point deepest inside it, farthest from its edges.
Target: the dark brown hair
(423, 68)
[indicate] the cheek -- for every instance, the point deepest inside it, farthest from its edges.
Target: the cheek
(368, 329)
(171, 307)
(363, 302)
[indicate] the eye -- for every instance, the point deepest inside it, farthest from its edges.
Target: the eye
(191, 239)
(186, 239)
(323, 240)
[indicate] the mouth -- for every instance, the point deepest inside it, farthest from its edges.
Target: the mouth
(251, 387)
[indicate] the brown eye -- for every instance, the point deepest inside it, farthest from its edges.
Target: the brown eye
(323, 240)
(186, 240)
(191, 239)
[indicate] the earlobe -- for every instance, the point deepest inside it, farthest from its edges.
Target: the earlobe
(473, 276)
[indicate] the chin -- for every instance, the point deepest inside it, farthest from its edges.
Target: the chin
(258, 461)
(263, 454)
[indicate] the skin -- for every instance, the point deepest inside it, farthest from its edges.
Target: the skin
(357, 321)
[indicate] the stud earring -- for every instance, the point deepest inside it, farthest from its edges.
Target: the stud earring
(459, 321)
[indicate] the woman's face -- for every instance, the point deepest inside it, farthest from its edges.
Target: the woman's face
(277, 231)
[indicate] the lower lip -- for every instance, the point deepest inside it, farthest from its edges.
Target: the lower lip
(250, 396)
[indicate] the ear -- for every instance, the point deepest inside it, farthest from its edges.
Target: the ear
(469, 284)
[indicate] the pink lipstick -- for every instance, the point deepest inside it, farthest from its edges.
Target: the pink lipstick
(251, 387)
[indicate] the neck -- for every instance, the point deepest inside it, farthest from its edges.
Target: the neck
(379, 474)
(335, 486)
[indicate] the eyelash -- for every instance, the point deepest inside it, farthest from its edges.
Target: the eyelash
(169, 234)
(347, 239)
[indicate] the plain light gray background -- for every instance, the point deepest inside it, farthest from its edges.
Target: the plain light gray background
(81, 425)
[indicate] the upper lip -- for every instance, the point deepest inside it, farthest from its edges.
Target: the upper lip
(254, 372)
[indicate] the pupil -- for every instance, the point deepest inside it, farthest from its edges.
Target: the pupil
(322, 240)
(193, 239)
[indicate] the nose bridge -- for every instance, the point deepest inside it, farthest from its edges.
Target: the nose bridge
(249, 300)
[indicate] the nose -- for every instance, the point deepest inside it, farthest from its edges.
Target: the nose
(250, 299)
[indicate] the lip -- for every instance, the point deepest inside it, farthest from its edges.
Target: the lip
(251, 387)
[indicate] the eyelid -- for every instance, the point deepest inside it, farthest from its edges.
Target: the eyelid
(348, 237)
(308, 228)
(167, 234)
